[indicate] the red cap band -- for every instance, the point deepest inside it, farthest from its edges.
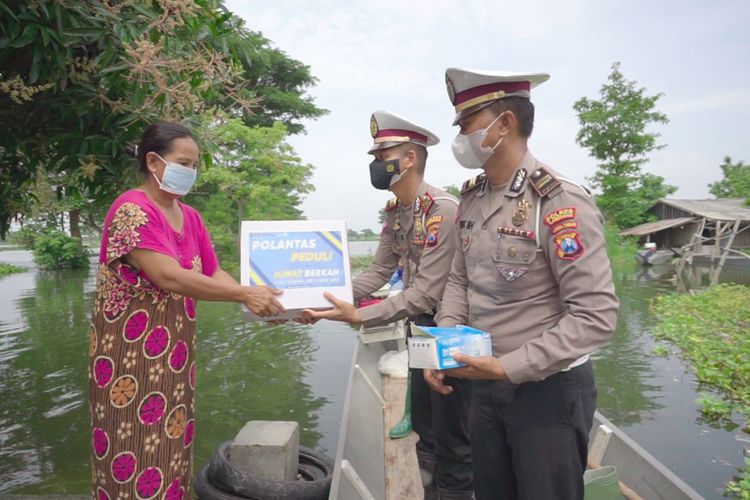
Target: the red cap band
(507, 87)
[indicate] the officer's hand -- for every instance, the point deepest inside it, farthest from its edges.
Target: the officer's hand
(479, 368)
(435, 379)
(341, 311)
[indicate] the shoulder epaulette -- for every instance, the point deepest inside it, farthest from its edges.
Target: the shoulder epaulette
(392, 203)
(473, 183)
(426, 202)
(543, 181)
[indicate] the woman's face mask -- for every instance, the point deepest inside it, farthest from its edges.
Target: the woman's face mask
(384, 173)
(176, 179)
(468, 149)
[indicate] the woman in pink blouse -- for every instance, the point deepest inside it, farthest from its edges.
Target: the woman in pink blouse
(156, 260)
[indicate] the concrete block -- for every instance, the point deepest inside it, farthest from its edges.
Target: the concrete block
(267, 449)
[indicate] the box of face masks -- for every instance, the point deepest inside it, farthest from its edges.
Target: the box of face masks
(302, 258)
(433, 347)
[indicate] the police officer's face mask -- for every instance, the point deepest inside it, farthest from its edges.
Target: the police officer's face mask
(384, 173)
(468, 148)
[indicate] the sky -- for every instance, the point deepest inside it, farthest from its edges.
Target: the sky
(392, 55)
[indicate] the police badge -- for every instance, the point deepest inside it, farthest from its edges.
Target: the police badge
(521, 213)
(373, 126)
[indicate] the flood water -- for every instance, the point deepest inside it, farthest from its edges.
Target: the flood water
(291, 372)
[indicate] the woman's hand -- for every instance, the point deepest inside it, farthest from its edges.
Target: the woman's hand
(261, 300)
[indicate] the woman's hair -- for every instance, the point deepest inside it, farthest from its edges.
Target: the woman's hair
(157, 138)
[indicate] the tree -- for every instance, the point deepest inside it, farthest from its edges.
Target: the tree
(81, 79)
(256, 175)
(736, 181)
(613, 129)
(453, 190)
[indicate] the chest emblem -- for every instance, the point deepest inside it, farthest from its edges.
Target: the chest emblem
(511, 273)
(521, 213)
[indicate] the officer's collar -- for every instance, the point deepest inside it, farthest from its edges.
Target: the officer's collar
(517, 184)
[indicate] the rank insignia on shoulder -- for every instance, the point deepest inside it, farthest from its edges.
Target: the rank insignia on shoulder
(543, 182)
(569, 246)
(392, 203)
(473, 183)
(427, 202)
(518, 180)
(560, 215)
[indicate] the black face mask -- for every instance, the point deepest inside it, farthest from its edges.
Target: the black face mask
(381, 173)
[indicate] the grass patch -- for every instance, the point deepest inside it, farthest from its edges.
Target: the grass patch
(621, 250)
(712, 328)
(6, 269)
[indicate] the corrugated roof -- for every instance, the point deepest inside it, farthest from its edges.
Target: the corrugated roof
(656, 226)
(723, 209)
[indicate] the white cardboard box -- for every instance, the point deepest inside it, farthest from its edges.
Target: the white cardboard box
(433, 347)
(302, 258)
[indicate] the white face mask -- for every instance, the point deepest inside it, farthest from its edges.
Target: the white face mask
(468, 149)
(176, 179)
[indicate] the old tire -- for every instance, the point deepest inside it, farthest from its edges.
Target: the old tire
(314, 479)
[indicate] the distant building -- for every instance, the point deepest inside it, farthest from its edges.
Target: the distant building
(680, 222)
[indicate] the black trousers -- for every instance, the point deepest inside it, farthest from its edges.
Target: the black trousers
(443, 428)
(530, 441)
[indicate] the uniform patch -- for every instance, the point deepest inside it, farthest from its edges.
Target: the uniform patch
(569, 246)
(466, 243)
(543, 182)
(433, 228)
(563, 226)
(521, 213)
(512, 231)
(553, 218)
(511, 273)
(466, 224)
(518, 180)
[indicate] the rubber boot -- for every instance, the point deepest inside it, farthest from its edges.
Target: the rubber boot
(601, 484)
(403, 427)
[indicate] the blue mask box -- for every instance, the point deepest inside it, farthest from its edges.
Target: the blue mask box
(433, 347)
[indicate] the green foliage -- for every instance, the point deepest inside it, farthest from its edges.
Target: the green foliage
(360, 262)
(256, 176)
(613, 129)
(712, 328)
(741, 487)
(736, 181)
(714, 409)
(453, 190)
(79, 80)
(6, 269)
(55, 250)
(621, 250)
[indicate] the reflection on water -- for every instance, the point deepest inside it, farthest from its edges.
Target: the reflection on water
(653, 398)
(291, 372)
